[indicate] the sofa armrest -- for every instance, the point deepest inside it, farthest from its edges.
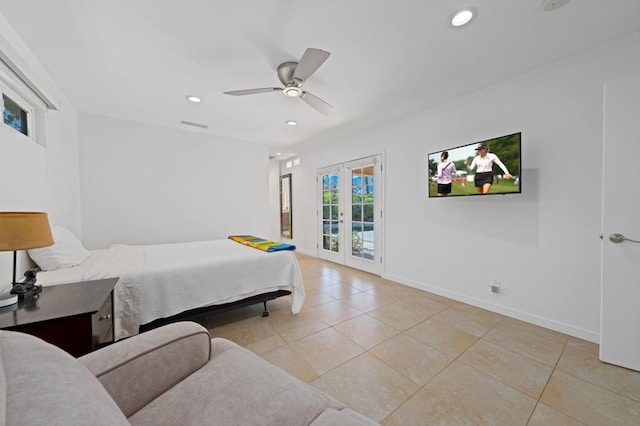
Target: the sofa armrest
(137, 370)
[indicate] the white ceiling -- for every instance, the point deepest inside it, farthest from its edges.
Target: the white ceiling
(138, 59)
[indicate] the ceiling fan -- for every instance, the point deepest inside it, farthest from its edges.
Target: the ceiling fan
(293, 75)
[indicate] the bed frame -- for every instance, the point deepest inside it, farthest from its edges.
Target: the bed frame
(260, 298)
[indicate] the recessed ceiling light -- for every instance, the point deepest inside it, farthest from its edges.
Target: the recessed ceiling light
(195, 99)
(551, 5)
(462, 17)
(291, 122)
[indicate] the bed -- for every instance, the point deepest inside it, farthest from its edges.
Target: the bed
(162, 281)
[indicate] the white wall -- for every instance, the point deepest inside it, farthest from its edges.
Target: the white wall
(34, 177)
(543, 244)
(142, 184)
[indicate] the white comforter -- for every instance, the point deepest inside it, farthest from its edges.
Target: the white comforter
(158, 281)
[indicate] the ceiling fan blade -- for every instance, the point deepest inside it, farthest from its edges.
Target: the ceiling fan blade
(309, 63)
(252, 91)
(316, 103)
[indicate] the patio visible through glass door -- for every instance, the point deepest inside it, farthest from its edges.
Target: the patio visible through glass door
(362, 217)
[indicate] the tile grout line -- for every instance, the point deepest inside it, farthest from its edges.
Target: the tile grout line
(545, 387)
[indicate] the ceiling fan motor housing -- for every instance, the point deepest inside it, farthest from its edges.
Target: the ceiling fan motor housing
(285, 73)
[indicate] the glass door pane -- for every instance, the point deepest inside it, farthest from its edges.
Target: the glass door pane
(364, 204)
(330, 209)
(331, 215)
(362, 212)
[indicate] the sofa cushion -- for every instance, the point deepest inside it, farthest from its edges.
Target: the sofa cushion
(237, 387)
(43, 385)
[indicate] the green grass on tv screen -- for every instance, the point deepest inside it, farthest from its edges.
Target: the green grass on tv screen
(467, 188)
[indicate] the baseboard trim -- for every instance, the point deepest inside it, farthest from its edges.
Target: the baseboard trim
(571, 330)
(307, 252)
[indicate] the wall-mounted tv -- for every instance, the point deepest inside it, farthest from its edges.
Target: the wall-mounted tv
(491, 166)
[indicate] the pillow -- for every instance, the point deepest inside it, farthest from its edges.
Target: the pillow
(66, 251)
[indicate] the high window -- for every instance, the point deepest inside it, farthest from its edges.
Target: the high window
(14, 115)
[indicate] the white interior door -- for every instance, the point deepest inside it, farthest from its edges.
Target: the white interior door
(350, 214)
(620, 295)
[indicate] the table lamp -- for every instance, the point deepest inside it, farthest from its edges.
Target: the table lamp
(24, 231)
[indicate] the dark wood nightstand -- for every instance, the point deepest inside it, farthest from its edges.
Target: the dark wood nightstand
(76, 317)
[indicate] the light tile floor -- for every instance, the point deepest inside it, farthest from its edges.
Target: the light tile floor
(403, 356)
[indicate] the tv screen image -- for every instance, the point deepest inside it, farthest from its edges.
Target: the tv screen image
(487, 167)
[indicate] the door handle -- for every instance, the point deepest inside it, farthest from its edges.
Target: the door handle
(618, 238)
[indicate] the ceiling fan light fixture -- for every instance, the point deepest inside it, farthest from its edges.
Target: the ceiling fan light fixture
(462, 17)
(292, 91)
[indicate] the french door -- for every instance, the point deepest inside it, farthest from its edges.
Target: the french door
(350, 214)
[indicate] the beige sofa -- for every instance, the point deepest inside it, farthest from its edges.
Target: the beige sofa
(173, 375)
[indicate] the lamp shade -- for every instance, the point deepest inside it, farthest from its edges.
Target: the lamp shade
(24, 231)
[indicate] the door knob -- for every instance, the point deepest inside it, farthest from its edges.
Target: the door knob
(618, 238)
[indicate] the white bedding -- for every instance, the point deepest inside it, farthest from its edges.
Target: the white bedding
(159, 281)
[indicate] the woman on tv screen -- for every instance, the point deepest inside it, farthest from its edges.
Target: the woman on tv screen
(483, 163)
(443, 175)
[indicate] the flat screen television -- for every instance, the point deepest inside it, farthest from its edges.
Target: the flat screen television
(486, 167)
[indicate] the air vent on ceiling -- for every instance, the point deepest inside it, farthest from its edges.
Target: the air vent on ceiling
(190, 123)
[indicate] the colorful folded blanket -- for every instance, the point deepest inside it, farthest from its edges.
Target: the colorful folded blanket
(261, 243)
